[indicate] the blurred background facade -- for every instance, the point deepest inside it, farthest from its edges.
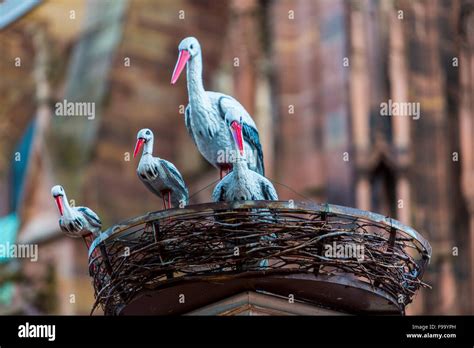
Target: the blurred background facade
(313, 75)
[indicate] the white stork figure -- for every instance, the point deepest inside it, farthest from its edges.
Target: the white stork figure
(158, 175)
(205, 115)
(242, 184)
(75, 221)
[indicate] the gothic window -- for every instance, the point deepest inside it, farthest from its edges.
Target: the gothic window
(383, 190)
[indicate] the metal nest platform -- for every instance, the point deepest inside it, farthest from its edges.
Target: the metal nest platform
(207, 252)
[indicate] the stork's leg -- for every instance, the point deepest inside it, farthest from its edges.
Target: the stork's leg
(169, 199)
(225, 169)
(88, 240)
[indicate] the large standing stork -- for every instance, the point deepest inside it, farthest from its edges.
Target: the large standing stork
(242, 184)
(160, 176)
(75, 222)
(205, 115)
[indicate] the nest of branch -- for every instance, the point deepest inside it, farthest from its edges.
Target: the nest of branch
(221, 239)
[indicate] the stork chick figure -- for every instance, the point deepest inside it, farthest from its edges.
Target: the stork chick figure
(76, 221)
(158, 175)
(242, 183)
(206, 113)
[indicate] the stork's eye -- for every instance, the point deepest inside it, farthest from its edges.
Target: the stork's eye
(191, 47)
(147, 132)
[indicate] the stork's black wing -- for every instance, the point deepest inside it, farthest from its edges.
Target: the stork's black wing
(173, 171)
(218, 195)
(269, 191)
(170, 167)
(251, 136)
(91, 216)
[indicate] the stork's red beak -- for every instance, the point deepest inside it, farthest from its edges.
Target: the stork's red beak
(138, 146)
(180, 64)
(237, 133)
(59, 203)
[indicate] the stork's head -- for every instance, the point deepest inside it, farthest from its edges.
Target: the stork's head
(188, 49)
(143, 136)
(58, 192)
(236, 129)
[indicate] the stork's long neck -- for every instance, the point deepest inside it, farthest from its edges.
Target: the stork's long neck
(148, 147)
(67, 208)
(239, 167)
(196, 93)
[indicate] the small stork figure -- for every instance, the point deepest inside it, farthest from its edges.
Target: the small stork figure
(76, 221)
(242, 184)
(158, 175)
(206, 113)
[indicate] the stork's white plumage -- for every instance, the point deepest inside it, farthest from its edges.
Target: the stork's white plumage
(75, 221)
(242, 184)
(160, 176)
(206, 113)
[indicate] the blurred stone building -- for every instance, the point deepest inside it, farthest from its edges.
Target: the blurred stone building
(312, 73)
